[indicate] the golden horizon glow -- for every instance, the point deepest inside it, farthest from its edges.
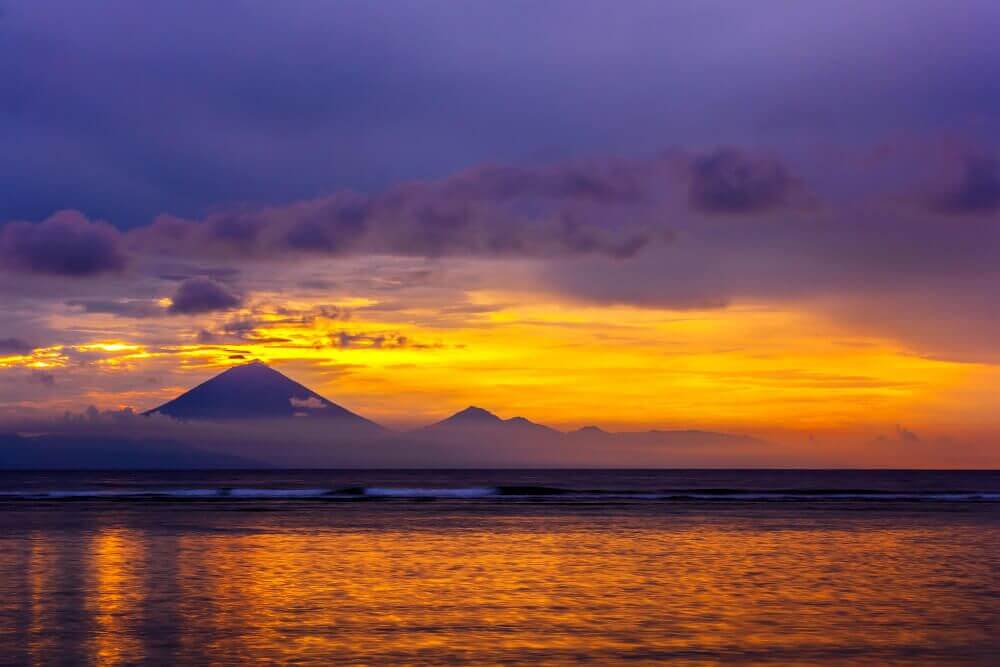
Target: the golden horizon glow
(748, 367)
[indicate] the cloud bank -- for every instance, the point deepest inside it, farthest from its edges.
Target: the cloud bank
(65, 244)
(202, 295)
(683, 229)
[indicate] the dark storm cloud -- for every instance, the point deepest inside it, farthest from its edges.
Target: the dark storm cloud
(978, 190)
(202, 295)
(66, 244)
(728, 181)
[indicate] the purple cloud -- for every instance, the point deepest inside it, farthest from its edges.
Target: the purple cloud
(202, 295)
(632, 231)
(977, 191)
(15, 346)
(576, 208)
(66, 244)
(732, 182)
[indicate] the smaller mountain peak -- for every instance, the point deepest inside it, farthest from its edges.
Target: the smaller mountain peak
(475, 413)
(523, 423)
(591, 432)
(471, 416)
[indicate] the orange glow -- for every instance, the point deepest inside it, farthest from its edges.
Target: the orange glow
(397, 595)
(749, 368)
(116, 556)
(41, 357)
(568, 365)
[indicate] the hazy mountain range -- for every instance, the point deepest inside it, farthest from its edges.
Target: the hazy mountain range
(254, 416)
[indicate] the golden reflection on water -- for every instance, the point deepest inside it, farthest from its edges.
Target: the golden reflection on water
(544, 589)
(399, 595)
(116, 596)
(42, 567)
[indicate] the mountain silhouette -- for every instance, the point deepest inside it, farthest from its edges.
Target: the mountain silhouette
(272, 421)
(480, 420)
(470, 416)
(256, 391)
(590, 432)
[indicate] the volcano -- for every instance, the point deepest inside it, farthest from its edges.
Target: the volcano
(256, 391)
(478, 419)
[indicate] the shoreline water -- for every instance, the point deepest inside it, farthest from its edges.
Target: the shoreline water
(492, 579)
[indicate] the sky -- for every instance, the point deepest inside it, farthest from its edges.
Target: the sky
(774, 218)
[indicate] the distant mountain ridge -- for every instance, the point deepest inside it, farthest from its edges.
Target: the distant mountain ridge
(474, 417)
(305, 429)
(479, 421)
(254, 416)
(255, 390)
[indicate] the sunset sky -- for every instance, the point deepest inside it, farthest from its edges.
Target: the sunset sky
(783, 222)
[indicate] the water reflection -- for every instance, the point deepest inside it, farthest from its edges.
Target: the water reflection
(220, 587)
(42, 567)
(116, 595)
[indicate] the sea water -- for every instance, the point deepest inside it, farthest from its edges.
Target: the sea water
(500, 567)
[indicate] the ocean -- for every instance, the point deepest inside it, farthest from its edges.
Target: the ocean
(687, 567)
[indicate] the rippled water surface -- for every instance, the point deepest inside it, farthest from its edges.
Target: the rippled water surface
(483, 579)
